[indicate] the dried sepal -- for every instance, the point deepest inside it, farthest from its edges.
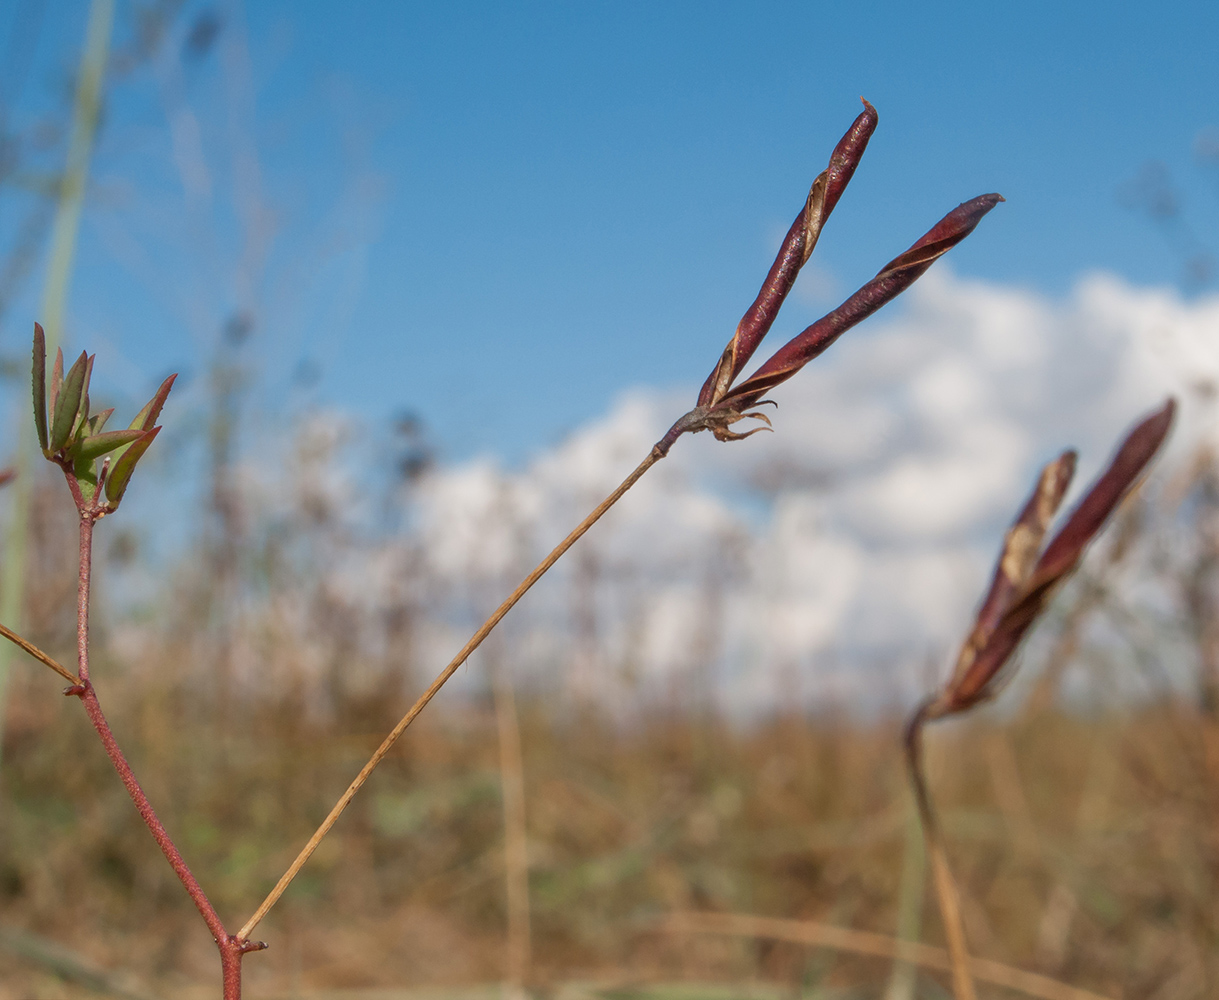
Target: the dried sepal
(1022, 543)
(1064, 552)
(793, 254)
(720, 423)
(124, 465)
(67, 403)
(720, 405)
(846, 157)
(1008, 612)
(893, 279)
(39, 380)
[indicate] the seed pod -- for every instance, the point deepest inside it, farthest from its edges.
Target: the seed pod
(794, 253)
(893, 279)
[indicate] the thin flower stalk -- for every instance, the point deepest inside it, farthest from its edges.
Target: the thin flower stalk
(39, 655)
(720, 405)
(1025, 578)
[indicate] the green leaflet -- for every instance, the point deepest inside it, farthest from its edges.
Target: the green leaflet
(67, 403)
(96, 445)
(120, 475)
(40, 385)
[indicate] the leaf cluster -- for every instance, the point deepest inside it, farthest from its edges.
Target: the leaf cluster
(76, 439)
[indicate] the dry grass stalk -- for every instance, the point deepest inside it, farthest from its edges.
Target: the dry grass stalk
(39, 655)
(69, 966)
(516, 841)
(408, 893)
(903, 979)
(474, 642)
(69, 188)
(1024, 579)
(869, 943)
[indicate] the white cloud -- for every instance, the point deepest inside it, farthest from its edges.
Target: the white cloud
(834, 555)
(862, 530)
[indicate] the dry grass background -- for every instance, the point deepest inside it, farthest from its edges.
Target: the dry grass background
(1085, 842)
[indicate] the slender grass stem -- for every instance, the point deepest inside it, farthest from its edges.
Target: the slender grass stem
(903, 979)
(39, 655)
(657, 453)
(868, 943)
(945, 887)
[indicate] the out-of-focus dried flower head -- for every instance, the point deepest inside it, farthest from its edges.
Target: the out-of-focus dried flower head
(1026, 576)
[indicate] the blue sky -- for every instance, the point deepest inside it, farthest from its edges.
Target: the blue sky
(500, 216)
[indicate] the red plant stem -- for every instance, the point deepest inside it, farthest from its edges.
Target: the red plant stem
(231, 950)
(231, 954)
(148, 814)
(82, 599)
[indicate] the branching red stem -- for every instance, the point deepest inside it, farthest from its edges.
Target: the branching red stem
(94, 710)
(231, 949)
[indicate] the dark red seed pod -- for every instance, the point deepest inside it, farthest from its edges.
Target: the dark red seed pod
(794, 253)
(1022, 588)
(893, 279)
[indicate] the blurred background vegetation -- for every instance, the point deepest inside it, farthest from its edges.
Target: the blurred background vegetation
(1084, 840)
(519, 834)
